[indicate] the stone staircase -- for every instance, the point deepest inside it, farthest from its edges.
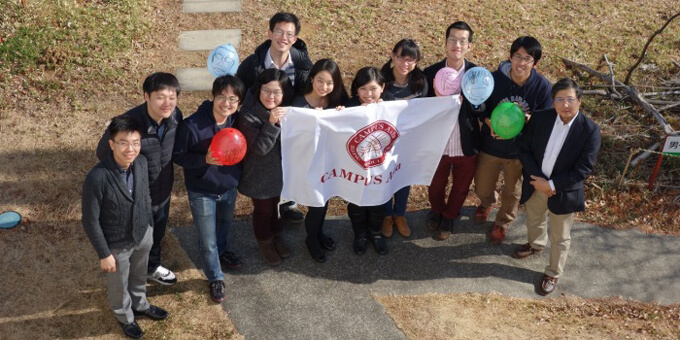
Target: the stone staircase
(200, 79)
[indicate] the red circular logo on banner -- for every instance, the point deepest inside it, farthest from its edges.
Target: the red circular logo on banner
(369, 145)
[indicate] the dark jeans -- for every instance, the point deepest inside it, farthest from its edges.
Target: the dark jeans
(161, 213)
(266, 222)
(366, 220)
(463, 170)
(314, 226)
(399, 202)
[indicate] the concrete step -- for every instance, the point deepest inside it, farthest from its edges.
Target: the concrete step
(208, 39)
(195, 79)
(207, 6)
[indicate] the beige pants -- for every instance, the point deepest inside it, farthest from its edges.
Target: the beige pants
(488, 169)
(560, 232)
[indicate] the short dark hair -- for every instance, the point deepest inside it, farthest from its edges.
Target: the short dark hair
(123, 123)
(160, 81)
(530, 44)
(416, 78)
(460, 25)
(223, 82)
(339, 94)
(284, 17)
(565, 84)
(365, 76)
(272, 74)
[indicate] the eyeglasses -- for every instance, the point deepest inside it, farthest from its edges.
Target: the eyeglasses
(406, 60)
(461, 42)
(527, 60)
(232, 99)
(568, 100)
(125, 145)
(280, 33)
(276, 93)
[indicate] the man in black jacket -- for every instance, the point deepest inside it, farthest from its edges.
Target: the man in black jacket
(158, 117)
(288, 53)
(460, 155)
(118, 221)
(558, 150)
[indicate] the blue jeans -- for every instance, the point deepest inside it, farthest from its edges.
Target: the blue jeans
(212, 218)
(400, 200)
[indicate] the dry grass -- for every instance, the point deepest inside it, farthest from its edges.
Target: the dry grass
(493, 316)
(53, 112)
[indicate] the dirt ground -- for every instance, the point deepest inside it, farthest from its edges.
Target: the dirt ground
(493, 316)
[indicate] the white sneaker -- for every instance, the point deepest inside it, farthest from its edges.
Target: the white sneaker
(163, 276)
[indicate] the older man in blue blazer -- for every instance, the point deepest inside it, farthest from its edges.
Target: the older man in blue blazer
(557, 149)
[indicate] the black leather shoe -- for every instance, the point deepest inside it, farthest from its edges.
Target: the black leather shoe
(153, 313)
(318, 257)
(132, 330)
(360, 244)
(380, 244)
(328, 243)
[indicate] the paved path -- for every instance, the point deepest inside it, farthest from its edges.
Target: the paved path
(302, 299)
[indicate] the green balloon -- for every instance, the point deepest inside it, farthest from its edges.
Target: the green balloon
(507, 120)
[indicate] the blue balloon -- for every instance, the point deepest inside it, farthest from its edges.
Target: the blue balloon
(223, 60)
(477, 85)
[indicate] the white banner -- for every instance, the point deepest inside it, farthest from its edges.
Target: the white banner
(364, 154)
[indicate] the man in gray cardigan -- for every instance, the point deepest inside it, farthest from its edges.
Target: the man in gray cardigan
(117, 218)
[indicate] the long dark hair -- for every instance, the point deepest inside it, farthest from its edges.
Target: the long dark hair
(365, 76)
(339, 94)
(416, 78)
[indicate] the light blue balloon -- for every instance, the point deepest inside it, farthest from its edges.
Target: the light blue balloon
(223, 60)
(477, 85)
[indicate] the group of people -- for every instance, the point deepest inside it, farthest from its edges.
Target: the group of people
(126, 197)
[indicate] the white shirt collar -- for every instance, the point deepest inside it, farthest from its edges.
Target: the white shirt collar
(269, 62)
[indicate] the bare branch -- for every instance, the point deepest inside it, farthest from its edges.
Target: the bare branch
(644, 50)
(627, 90)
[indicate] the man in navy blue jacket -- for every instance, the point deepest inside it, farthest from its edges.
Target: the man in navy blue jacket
(516, 81)
(558, 151)
(211, 186)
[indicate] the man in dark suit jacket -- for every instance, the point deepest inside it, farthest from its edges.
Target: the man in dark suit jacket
(460, 154)
(118, 220)
(557, 150)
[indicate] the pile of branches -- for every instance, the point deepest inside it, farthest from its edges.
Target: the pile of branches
(662, 100)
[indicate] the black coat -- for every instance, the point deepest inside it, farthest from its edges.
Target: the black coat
(253, 65)
(157, 151)
(112, 218)
(574, 162)
(468, 118)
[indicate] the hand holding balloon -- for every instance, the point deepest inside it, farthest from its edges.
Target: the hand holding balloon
(209, 159)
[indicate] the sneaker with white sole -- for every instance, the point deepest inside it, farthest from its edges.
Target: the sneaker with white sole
(163, 276)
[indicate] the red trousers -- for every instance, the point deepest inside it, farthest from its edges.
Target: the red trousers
(463, 170)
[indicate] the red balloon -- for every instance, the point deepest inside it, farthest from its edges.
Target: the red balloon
(228, 146)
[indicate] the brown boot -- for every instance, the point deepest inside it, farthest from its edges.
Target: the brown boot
(402, 226)
(269, 253)
(387, 226)
(280, 247)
